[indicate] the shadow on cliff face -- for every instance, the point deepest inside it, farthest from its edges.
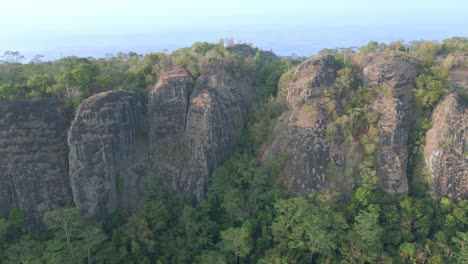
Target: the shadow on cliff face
(33, 158)
(193, 126)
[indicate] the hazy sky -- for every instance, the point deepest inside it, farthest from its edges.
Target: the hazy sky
(94, 27)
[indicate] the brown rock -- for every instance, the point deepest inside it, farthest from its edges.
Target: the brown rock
(33, 158)
(300, 133)
(393, 80)
(106, 155)
(446, 148)
(194, 125)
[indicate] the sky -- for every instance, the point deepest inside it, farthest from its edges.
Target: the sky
(58, 28)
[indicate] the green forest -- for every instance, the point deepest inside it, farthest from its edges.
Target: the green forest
(248, 216)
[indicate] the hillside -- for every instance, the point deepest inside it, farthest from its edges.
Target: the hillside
(230, 154)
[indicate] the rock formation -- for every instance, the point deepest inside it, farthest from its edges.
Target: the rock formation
(300, 132)
(393, 80)
(106, 157)
(194, 125)
(246, 51)
(446, 149)
(33, 158)
(301, 135)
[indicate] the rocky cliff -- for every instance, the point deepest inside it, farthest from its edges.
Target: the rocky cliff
(300, 132)
(194, 125)
(33, 158)
(106, 157)
(446, 149)
(317, 161)
(344, 122)
(393, 80)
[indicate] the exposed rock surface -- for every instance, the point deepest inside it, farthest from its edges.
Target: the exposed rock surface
(446, 149)
(106, 157)
(194, 125)
(394, 81)
(246, 51)
(458, 74)
(33, 158)
(300, 133)
(310, 80)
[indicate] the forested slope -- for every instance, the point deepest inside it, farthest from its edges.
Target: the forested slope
(230, 154)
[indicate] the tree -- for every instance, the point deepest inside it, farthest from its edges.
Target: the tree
(301, 227)
(64, 222)
(138, 232)
(38, 84)
(12, 57)
(237, 241)
(364, 243)
(372, 46)
(73, 240)
(24, 251)
(426, 51)
(429, 90)
(461, 242)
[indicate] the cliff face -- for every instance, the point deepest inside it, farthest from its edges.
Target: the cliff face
(316, 162)
(194, 125)
(33, 158)
(394, 81)
(446, 148)
(106, 157)
(300, 132)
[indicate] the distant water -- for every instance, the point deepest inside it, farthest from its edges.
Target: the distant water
(281, 39)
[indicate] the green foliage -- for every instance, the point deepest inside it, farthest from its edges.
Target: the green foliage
(268, 71)
(237, 241)
(366, 236)
(385, 90)
(455, 44)
(247, 215)
(372, 46)
(263, 116)
(429, 91)
(73, 240)
(426, 51)
(342, 55)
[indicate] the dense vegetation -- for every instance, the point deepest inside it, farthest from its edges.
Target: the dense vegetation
(247, 216)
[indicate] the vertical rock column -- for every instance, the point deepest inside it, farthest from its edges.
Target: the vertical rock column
(103, 152)
(33, 158)
(193, 127)
(446, 148)
(393, 81)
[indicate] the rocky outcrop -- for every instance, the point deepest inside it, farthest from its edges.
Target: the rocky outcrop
(393, 81)
(194, 125)
(106, 156)
(310, 80)
(33, 158)
(300, 137)
(316, 161)
(446, 149)
(246, 51)
(300, 134)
